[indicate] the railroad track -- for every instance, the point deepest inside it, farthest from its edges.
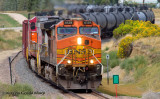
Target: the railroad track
(96, 93)
(58, 87)
(93, 92)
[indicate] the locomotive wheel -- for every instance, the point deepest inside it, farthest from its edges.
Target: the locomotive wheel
(43, 70)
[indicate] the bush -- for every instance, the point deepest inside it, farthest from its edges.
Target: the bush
(125, 47)
(133, 63)
(122, 30)
(137, 28)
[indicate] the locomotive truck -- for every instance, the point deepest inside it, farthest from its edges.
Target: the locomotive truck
(64, 51)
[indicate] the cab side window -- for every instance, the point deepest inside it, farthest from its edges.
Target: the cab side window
(33, 26)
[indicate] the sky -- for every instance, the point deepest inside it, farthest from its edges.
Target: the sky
(140, 1)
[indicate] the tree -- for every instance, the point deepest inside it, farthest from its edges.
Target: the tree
(29, 5)
(104, 2)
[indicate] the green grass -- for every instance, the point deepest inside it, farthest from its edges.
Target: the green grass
(7, 21)
(26, 97)
(17, 88)
(122, 90)
(147, 78)
(113, 59)
(155, 59)
(59, 97)
(107, 48)
(14, 88)
(136, 63)
(139, 72)
(9, 39)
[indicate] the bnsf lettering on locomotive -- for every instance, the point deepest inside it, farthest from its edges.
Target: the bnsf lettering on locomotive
(79, 51)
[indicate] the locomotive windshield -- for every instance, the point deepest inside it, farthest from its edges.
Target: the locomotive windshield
(67, 30)
(88, 30)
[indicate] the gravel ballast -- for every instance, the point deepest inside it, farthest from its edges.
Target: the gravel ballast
(26, 76)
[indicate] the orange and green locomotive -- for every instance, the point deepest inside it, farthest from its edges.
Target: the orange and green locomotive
(67, 52)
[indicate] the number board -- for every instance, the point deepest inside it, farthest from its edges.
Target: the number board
(68, 22)
(87, 22)
(115, 79)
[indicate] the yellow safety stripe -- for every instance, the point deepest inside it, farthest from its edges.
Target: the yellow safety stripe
(27, 53)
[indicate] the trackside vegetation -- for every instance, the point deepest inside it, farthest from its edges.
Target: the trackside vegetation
(7, 21)
(8, 91)
(20, 91)
(136, 29)
(10, 39)
(113, 61)
(139, 69)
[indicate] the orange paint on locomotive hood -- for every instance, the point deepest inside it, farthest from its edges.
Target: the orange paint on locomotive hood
(71, 43)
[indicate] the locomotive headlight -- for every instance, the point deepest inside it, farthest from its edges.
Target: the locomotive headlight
(91, 61)
(79, 41)
(69, 61)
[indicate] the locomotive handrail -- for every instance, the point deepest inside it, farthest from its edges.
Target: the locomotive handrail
(98, 61)
(61, 62)
(44, 44)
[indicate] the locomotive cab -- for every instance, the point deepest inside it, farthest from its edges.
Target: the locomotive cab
(67, 52)
(79, 54)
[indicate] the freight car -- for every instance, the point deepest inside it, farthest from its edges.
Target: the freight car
(67, 52)
(110, 17)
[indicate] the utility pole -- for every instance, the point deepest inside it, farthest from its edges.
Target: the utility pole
(143, 2)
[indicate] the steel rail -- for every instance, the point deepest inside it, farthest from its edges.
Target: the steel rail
(99, 94)
(58, 87)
